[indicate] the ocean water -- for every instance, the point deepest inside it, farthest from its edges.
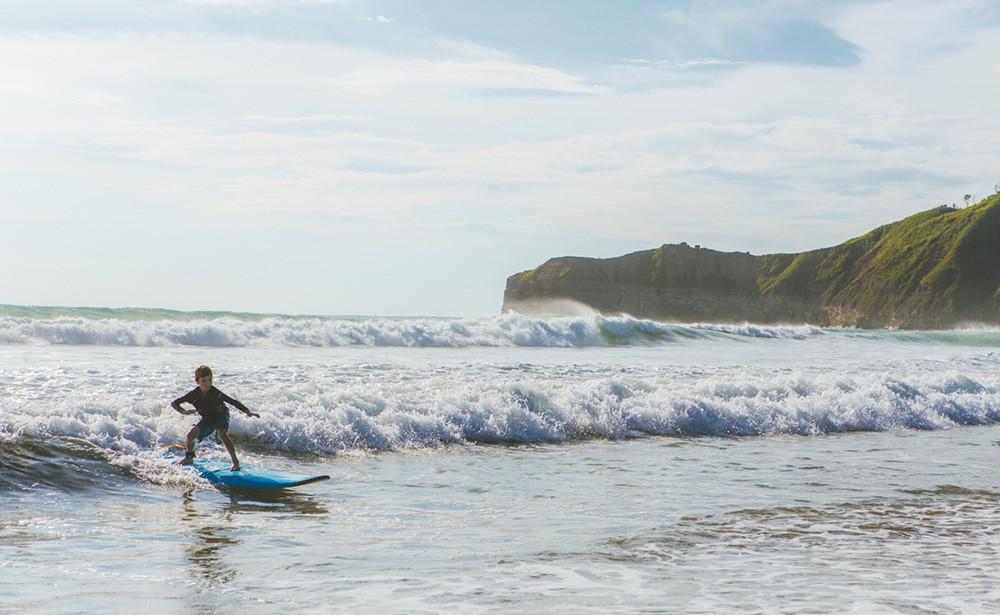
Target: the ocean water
(500, 464)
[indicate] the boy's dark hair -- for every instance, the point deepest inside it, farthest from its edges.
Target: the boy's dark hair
(201, 371)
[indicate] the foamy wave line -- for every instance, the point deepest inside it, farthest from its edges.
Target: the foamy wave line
(506, 330)
(431, 412)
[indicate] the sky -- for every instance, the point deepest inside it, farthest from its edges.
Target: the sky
(403, 157)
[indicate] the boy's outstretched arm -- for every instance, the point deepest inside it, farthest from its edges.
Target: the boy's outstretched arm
(176, 405)
(239, 405)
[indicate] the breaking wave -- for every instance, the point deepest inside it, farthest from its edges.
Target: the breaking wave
(499, 331)
(158, 327)
(399, 413)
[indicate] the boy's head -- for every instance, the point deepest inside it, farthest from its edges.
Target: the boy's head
(203, 376)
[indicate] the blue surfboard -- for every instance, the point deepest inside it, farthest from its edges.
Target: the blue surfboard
(219, 474)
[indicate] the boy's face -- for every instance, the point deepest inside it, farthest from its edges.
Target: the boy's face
(204, 383)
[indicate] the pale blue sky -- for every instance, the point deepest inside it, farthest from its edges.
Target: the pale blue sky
(394, 157)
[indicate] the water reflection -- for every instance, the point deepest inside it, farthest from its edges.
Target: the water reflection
(205, 554)
(215, 533)
(275, 502)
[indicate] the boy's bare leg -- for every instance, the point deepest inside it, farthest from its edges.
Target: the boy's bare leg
(224, 436)
(190, 441)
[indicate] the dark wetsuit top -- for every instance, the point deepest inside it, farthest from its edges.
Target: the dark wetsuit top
(211, 406)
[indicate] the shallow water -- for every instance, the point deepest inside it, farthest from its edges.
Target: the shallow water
(857, 521)
(829, 472)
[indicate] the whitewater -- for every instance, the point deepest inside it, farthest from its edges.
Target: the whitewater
(501, 463)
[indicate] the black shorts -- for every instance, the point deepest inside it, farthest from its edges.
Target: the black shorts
(207, 427)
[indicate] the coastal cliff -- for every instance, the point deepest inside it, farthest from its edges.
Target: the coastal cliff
(935, 269)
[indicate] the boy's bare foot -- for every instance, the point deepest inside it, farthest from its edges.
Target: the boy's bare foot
(235, 468)
(188, 459)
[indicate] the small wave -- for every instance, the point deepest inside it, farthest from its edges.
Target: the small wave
(629, 330)
(975, 336)
(56, 463)
(798, 332)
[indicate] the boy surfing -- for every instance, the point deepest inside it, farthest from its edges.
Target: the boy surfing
(210, 403)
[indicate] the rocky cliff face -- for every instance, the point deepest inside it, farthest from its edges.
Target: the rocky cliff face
(936, 269)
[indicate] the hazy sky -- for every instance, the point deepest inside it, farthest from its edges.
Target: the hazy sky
(405, 156)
